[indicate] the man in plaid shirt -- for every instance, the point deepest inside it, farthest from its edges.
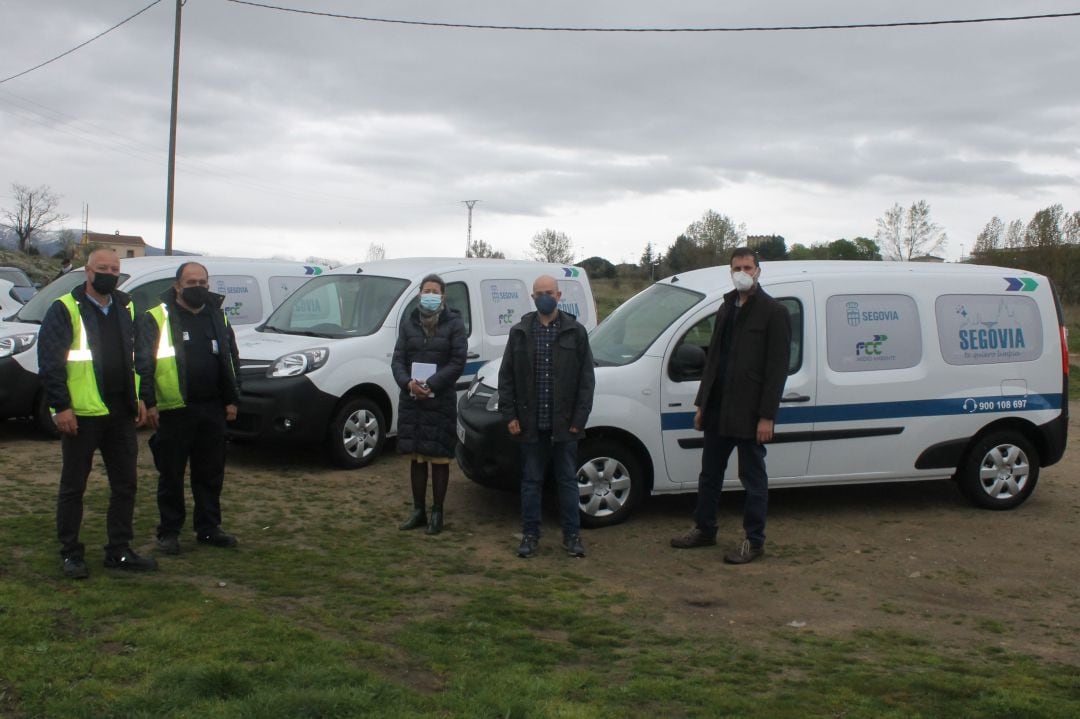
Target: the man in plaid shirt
(545, 395)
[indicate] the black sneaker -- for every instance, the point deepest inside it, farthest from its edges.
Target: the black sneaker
(528, 546)
(127, 559)
(169, 544)
(694, 538)
(745, 553)
(574, 546)
(216, 538)
(75, 567)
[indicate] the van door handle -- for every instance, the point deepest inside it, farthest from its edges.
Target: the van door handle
(473, 355)
(794, 397)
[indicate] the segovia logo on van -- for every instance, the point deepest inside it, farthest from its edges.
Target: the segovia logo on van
(855, 317)
(999, 337)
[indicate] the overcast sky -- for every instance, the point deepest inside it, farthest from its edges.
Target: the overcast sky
(302, 135)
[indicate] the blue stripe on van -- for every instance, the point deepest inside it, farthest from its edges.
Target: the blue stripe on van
(890, 410)
(472, 367)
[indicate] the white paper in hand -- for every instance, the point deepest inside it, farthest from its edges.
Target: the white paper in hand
(421, 372)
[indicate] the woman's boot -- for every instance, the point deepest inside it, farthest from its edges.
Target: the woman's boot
(440, 478)
(418, 480)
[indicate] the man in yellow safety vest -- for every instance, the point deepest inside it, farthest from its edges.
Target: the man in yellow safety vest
(185, 355)
(86, 361)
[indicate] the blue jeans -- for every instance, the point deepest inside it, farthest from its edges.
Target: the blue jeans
(535, 457)
(714, 459)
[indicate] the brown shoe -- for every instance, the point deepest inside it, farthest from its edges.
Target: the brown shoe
(745, 553)
(694, 538)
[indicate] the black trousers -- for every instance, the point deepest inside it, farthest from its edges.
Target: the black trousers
(114, 436)
(195, 434)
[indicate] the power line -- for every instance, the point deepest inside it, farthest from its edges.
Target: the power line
(95, 37)
(748, 28)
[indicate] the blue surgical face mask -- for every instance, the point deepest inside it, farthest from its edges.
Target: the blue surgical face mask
(545, 304)
(430, 301)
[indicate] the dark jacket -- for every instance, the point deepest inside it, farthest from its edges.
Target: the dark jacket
(757, 363)
(146, 345)
(429, 426)
(574, 380)
(54, 341)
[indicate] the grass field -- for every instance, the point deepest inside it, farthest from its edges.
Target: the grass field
(326, 610)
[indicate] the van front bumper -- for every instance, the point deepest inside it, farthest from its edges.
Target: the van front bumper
(282, 409)
(18, 388)
(486, 453)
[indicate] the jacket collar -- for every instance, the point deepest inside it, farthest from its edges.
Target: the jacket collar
(120, 297)
(567, 321)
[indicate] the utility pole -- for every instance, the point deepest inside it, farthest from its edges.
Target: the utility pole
(468, 236)
(170, 185)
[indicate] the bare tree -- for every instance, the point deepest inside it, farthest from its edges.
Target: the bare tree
(1014, 236)
(35, 209)
(990, 238)
(481, 249)
(905, 234)
(375, 252)
(552, 246)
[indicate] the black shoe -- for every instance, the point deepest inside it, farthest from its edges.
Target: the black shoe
(528, 546)
(169, 544)
(75, 567)
(417, 519)
(745, 553)
(435, 523)
(128, 560)
(216, 538)
(574, 546)
(694, 538)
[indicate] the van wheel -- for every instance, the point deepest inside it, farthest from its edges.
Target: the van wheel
(357, 434)
(610, 483)
(1000, 471)
(43, 417)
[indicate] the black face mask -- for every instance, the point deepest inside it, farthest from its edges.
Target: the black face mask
(104, 284)
(195, 296)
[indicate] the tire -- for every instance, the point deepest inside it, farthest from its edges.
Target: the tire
(1000, 471)
(357, 434)
(611, 482)
(43, 420)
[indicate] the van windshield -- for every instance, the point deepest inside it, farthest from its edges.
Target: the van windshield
(35, 308)
(337, 306)
(626, 333)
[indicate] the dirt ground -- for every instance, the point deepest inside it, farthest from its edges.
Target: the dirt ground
(914, 558)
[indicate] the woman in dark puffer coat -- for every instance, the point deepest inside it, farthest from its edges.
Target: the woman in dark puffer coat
(427, 407)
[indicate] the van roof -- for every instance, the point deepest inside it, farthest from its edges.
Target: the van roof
(419, 266)
(146, 264)
(711, 279)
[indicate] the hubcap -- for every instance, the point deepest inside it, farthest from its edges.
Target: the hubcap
(1004, 471)
(603, 486)
(360, 435)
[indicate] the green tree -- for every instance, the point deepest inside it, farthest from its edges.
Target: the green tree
(771, 247)
(597, 267)
(715, 236)
(991, 238)
(681, 256)
(552, 246)
(481, 249)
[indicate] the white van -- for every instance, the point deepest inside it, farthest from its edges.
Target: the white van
(319, 369)
(252, 288)
(897, 371)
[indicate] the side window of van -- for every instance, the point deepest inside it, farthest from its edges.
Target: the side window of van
(457, 297)
(243, 301)
(872, 332)
(700, 336)
(503, 302)
(575, 300)
(148, 295)
(986, 329)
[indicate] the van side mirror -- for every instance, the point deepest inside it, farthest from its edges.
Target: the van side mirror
(688, 363)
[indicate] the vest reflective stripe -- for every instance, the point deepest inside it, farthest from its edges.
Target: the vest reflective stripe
(82, 383)
(166, 375)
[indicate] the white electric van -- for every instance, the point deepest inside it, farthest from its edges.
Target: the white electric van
(252, 288)
(319, 369)
(897, 371)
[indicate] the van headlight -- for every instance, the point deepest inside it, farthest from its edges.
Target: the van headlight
(15, 344)
(295, 364)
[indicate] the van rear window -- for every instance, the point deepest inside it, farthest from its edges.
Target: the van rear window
(872, 332)
(987, 329)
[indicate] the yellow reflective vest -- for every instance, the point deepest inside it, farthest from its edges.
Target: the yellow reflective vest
(82, 382)
(166, 376)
